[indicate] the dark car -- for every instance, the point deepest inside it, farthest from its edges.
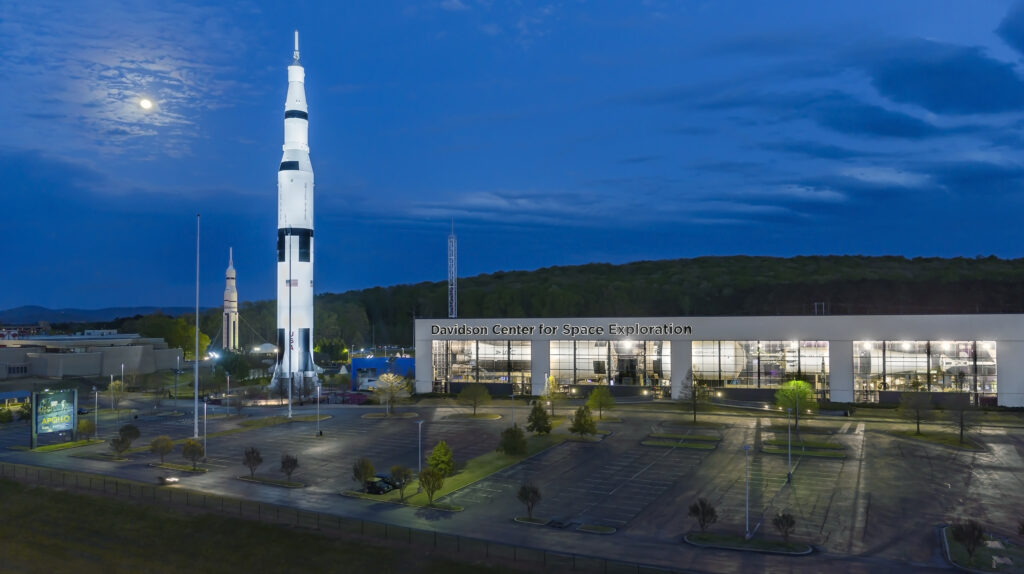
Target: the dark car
(83, 411)
(378, 486)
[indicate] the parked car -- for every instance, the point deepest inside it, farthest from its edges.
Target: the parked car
(167, 480)
(378, 486)
(83, 411)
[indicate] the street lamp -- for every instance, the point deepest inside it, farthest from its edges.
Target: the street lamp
(318, 431)
(789, 448)
(204, 429)
(419, 452)
(96, 410)
(746, 459)
(513, 407)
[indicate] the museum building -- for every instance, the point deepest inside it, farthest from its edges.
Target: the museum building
(863, 358)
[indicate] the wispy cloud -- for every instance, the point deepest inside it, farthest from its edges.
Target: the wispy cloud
(92, 62)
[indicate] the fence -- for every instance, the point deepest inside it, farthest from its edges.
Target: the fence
(453, 545)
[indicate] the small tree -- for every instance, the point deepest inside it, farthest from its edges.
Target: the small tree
(252, 459)
(529, 495)
(916, 407)
(161, 445)
(785, 524)
(391, 388)
(704, 512)
(797, 396)
(86, 427)
(962, 418)
(970, 535)
(123, 441)
(474, 395)
(583, 422)
(538, 422)
(698, 392)
(513, 441)
(401, 476)
(553, 394)
(288, 465)
(601, 398)
(193, 450)
(363, 472)
(442, 459)
(431, 479)
(116, 390)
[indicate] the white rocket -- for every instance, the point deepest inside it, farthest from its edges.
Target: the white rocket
(230, 332)
(295, 235)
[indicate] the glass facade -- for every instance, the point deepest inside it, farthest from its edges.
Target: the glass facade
(939, 366)
(760, 364)
(482, 362)
(638, 363)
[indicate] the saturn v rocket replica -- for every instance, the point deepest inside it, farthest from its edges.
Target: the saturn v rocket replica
(295, 238)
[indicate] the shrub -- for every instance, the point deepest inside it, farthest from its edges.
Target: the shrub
(538, 422)
(513, 441)
(970, 535)
(583, 422)
(704, 512)
(6, 416)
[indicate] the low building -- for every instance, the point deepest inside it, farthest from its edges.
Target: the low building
(88, 354)
(846, 358)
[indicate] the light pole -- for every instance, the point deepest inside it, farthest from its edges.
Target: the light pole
(789, 447)
(419, 452)
(513, 407)
(177, 370)
(204, 429)
(746, 459)
(318, 433)
(96, 411)
(227, 395)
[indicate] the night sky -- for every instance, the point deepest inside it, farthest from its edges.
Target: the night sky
(552, 133)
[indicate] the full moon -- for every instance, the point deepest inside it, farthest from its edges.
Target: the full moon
(145, 104)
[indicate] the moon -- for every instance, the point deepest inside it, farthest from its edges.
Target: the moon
(145, 104)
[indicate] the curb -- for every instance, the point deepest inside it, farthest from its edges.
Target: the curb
(809, 551)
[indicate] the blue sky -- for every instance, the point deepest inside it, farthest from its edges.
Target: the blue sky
(552, 133)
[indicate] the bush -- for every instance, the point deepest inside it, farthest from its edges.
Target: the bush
(538, 422)
(442, 459)
(583, 422)
(513, 441)
(970, 534)
(6, 416)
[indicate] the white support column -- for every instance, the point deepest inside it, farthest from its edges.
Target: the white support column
(682, 361)
(1010, 373)
(540, 365)
(424, 366)
(840, 368)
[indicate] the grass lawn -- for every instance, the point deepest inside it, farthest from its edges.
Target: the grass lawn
(54, 531)
(815, 444)
(180, 467)
(405, 415)
(478, 416)
(737, 542)
(702, 437)
(596, 529)
(474, 470)
(805, 427)
(67, 445)
(698, 445)
(983, 555)
(826, 453)
(944, 438)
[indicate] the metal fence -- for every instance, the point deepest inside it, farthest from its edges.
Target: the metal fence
(455, 546)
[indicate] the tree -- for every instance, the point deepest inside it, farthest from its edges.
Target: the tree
(86, 427)
(116, 390)
(474, 395)
(553, 394)
(123, 441)
(538, 421)
(401, 476)
(704, 512)
(161, 445)
(529, 495)
(431, 479)
(363, 472)
(193, 450)
(442, 459)
(797, 396)
(252, 459)
(785, 524)
(391, 388)
(962, 418)
(698, 392)
(916, 407)
(513, 441)
(583, 422)
(601, 398)
(970, 534)
(288, 464)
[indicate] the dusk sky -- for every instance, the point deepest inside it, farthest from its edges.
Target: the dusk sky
(552, 133)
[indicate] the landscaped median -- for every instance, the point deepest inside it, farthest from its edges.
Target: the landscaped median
(179, 467)
(739, 542)
(943, 438)
(472, 417)
(675, 440)
(475, 469)
(813, 448)
(67, 445)
(992, 555)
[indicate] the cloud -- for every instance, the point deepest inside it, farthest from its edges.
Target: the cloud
(886, 176)
(453, 5)
(944, 78)
(639, 159)
(813, 149)
(979, 177)
(1011, 29)
(92, 61)
(849, 116)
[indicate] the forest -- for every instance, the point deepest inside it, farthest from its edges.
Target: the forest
(702, 286)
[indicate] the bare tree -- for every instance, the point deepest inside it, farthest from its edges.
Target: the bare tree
(431, 480)
(529, 495)
(288, 465)
(474, 395)
(916, 407)
(363, 472)
(391, 388)
(970, 534)
(785, 524)
(252, 459)
(704, 512)
(401, 476)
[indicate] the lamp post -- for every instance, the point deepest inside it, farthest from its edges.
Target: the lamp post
(789, 448)
(96, 410)
(318, 433)
(227, 395)
(513, 407)
(746, 459)
(177, 370)
(419, 453)
(204, 429)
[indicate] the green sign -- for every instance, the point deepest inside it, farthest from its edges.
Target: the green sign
(55, 411)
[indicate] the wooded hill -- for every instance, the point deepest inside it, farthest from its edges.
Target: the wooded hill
(737, 285)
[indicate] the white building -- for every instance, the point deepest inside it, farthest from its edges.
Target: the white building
(846, 358)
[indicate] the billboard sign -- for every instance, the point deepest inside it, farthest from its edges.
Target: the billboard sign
(55, 411)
